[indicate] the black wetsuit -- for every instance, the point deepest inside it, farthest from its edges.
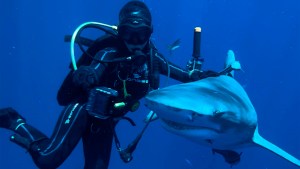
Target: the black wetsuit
(75, 123)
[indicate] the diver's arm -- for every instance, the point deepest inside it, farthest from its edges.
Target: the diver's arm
(77, 83)
(169, 69)
(68, 92)
(175, 72)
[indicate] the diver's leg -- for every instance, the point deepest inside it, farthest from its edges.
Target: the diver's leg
(10, 119)
(68, 131)
(50, 153)
(97, 143)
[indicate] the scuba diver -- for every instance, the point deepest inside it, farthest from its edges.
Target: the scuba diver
(113, 74)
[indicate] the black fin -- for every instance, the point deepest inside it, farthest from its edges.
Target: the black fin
(230, 156)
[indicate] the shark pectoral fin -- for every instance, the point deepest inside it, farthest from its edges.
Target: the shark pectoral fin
(151, 117)
(259, 140)
(230, 156)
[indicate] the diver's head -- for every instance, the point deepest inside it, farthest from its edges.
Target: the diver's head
(135, 25)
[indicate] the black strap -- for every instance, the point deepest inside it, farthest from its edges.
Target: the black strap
(126, 154)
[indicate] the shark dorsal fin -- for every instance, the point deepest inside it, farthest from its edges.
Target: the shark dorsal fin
(259, 140)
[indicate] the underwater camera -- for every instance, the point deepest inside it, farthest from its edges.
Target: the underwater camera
(100, 101)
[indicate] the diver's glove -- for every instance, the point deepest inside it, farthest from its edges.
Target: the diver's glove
(197, 74)
(194, 64)
(85, 77)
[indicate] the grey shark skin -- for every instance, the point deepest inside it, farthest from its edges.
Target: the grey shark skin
(214, 112)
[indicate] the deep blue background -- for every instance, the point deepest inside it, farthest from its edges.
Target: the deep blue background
(265, 36)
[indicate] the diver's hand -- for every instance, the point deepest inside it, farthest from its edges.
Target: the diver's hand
(194, 64)
(85, 77)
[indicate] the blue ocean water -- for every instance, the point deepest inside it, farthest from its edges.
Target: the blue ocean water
(265, 36)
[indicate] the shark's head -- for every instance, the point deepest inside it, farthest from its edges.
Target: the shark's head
(213, 111)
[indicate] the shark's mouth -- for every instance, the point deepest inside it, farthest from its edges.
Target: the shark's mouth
(181, 126)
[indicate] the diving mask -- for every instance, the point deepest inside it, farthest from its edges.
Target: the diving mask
(135, 33)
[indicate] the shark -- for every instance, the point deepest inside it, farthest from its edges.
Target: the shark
(215, 112)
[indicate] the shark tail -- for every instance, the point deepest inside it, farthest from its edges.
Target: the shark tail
(232, 63)
(259, 140)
